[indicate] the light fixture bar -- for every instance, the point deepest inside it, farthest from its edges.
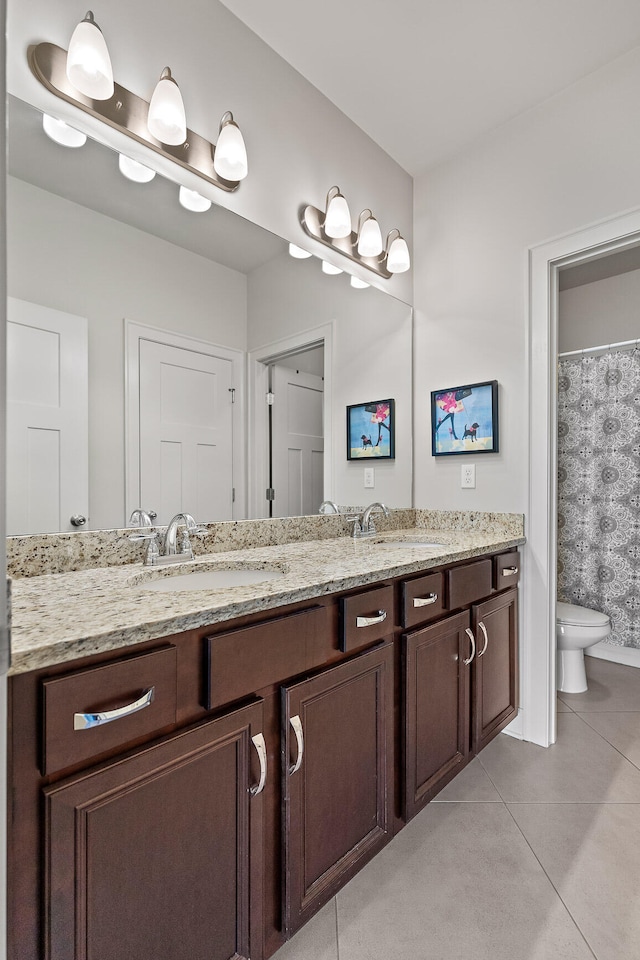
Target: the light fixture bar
(125, 112)
(312, 221)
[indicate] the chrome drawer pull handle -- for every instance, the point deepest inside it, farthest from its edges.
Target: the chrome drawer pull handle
(486, 639)
(83, 721)
(473, 646)
(261, 750)
(509, 571)
(425, 601)
(370, 621)
(296, 724)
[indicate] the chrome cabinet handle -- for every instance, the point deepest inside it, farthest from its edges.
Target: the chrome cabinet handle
(369, 621)
(425, 601)
(261, 750)
(296, 725)
(83, 721)
(486, 639)
(473, 646)
(509, 571)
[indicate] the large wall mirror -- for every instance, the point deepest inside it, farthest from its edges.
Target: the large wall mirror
(143, 341)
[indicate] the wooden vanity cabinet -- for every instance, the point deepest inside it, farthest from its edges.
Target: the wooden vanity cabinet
(494, 695)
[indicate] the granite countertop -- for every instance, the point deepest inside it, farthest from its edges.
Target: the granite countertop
(60, 617)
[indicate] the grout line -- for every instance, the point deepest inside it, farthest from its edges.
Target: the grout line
(335, 904)
(602, 737)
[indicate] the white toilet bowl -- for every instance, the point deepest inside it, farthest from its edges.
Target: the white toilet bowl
(576, 629)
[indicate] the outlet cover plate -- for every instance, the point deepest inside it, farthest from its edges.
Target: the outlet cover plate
(468, 476)
(369, 478)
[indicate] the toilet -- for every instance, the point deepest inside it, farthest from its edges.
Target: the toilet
(576, 629)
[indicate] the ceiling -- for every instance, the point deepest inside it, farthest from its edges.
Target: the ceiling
(424, 78)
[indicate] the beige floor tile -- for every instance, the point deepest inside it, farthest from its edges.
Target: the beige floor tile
(612, 686)
(592, 855)
(317, 940)
(458, 883)
(621, 730)
(580, 768)
(562, 706)
(472, 784)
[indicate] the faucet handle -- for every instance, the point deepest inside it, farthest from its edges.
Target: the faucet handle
(357, 529)
(152, 535)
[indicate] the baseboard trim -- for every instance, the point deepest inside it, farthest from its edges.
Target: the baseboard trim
(515, 727)
(608, 651)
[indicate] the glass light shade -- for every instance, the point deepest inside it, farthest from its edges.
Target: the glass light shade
(134, 170)
(194, 201)
(330, 269)
(62, 133)
(167, 121)
(359, 284)
(398, 260)
(370, 239)
(298, 252)
(88, 61)
(337, 221)
(230, 155)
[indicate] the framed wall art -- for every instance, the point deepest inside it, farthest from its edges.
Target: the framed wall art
(371, 431)
(465, 419)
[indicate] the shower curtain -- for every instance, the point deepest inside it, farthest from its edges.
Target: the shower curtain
(599, 487)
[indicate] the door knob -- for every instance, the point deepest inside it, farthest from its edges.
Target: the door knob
(77, 520)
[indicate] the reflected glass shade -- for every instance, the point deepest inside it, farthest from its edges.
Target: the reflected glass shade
(330, 269)
(359, 284)
(194, 201)
(167, 121)
(62, 133)
(134, 170)
(230, 155)
(298, 252)
(88, 61)
(370, 238)
(337, 221)
(398, 260)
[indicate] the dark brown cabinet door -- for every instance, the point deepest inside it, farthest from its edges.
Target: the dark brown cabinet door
(158, 856)
(337, 778)
(436, 708)
(495, 668)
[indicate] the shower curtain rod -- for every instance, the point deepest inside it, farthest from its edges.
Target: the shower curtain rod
(622, 345)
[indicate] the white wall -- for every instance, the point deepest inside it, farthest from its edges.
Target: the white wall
(605, 311)
(65, 256)
(3, 606)
(299, 143)
(563, 165)
(371, 361)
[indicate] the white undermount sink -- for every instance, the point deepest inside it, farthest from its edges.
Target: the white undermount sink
(218, 578)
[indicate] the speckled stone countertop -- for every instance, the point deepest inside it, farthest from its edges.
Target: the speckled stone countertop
(62, 616)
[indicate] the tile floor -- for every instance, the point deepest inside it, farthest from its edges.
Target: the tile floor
(530, 854)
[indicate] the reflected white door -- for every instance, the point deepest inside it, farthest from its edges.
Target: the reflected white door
(47, 419)
(186, 441)
(297, 442)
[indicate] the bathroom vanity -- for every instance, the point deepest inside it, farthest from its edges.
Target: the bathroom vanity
(256, 761)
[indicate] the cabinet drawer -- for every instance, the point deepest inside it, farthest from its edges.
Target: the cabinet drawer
(89, 712)
(422, 599)
(506, 570)
(468, 583)
(365, 617)
(240, 662)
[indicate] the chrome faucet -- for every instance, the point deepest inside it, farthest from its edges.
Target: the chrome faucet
(144, 521)
(333, 507)
(367, 526)
(169, 545)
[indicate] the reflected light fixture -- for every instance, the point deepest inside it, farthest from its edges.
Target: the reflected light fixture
(330, 269)
(337, 219)
(230, 159)
(134, 170)
(167, 120)
(62, 133)
(397, 253)
(194, 201)
(298, 252)
(369, 235)
(88, 61)
(358, 284)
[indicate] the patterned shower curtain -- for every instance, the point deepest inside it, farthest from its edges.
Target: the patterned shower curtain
(599, 488)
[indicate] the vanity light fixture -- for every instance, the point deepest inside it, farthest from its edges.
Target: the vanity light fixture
(298, 252)
(134, 170)
(363, 246)
(194, 201)
(62, 133)
(358, 284)
(330, 269)
(83, 78)
(88, 61)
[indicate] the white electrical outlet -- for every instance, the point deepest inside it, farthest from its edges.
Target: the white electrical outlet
(369, 478)
(468, 475)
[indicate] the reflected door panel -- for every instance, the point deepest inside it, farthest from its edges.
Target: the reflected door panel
(297, 442)
(186, 442)
(47, 434)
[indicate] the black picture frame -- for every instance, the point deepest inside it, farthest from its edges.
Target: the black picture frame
(371, 435)
(470, 429)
